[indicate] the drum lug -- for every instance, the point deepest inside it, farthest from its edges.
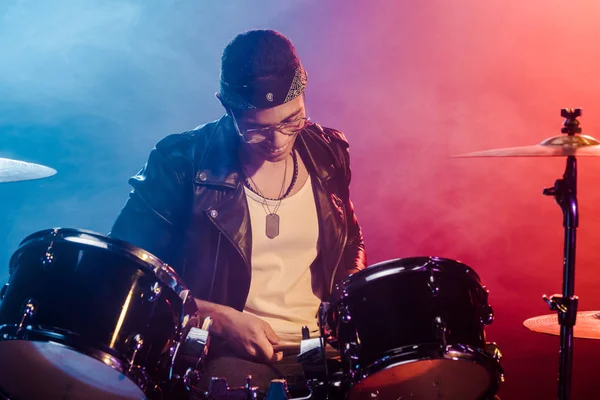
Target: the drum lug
(48, 258)
(493, 350)
(3, 291)
(433, 283)
(351, 350)
(345, 315)
(155, 292)
(136, 343)
(441, 329)
(173, 350)
(29, 310)
(487, 314)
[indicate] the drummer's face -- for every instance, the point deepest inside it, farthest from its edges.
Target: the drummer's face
(269, 134)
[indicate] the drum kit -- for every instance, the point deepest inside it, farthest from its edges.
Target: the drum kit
(87, 316)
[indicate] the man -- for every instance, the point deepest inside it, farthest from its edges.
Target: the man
(252, 210)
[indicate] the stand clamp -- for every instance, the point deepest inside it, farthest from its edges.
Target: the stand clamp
(566, 307)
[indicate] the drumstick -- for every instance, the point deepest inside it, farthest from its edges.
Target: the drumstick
(289, 348)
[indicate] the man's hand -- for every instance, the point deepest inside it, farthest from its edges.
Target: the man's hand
(250, 336)
(247, 335)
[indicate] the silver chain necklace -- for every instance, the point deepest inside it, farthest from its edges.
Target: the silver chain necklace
(272, 218)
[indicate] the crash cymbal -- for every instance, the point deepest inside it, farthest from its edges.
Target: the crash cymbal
(587, 325)
(14, 170)
(557, 146)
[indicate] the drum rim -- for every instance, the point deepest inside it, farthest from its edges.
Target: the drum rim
(163, 271)
(425, 352)
(359, 278)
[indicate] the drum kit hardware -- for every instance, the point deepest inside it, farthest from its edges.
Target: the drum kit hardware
(98, 318)
(564, 192)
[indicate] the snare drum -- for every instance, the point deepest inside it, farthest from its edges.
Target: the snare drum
(414, 328)
(85, 316)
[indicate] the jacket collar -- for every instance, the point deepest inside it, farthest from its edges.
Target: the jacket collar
(218, 165)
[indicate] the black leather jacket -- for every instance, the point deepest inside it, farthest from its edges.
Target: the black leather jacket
(188, 207)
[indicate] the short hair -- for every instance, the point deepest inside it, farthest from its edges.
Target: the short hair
(256, 55)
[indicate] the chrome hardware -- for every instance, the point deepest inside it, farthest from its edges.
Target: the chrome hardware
(48, 257)
(155, 292)
(172, 351)
(251, 391)
(194, 347)
(345, 314)
(440, 327)
(487, 315)
(350, 358)
(207, 324)
(196, 342)
(29, 309)
(433, 283)
(219, 390)
(278, 390)
(322, 313)
(493, 350)
(191, 378)
(3, 291)
(183, 295)
(136, 343)
(139, 376)
(351, 351)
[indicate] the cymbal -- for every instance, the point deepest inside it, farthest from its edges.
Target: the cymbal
(556, 146)
(14, 170)
(587, 325)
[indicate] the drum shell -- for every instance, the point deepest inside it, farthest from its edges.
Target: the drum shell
(94, 297)
(408, 302)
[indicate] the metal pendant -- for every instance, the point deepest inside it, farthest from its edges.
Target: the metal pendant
(272, 228)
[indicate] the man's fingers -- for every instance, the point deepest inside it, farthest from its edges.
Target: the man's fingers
(271, 335)
(264, 349)
(277, 356)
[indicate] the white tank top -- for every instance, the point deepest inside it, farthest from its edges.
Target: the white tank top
(280, 290)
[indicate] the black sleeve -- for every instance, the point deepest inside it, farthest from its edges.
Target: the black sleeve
(154, 216)
(355, 255)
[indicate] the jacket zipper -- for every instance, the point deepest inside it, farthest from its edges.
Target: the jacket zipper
(214, 274)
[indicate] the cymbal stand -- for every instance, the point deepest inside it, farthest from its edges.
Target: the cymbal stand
(565, 194)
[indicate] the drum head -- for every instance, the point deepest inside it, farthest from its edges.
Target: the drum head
(48, 370)
(425, 379)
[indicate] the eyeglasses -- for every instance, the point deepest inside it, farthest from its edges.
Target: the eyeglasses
(258, 135)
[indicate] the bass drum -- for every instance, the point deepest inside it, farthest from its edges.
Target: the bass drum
(413, 328)
(85, 316)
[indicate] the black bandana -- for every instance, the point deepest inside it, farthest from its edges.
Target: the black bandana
(265, 93)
